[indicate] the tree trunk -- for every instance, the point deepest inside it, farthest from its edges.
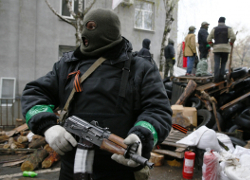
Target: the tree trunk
(169, 7)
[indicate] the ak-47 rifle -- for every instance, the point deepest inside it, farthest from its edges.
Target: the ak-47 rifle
(104, 139)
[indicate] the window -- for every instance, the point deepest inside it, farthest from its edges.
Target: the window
(144, 15)
(7, 91)
(64, 9)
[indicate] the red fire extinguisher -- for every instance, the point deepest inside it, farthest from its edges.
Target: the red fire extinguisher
(188, 165)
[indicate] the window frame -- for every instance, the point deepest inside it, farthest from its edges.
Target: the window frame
(14, 90)
(73, 5)
(153, 16)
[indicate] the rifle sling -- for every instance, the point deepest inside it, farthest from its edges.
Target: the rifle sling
(92, 68)
(124, 81)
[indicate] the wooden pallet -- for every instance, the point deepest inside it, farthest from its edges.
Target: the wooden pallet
(205, 79)
(171, 140)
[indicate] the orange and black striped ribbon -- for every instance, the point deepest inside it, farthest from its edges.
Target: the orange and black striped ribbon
(77, 84)
(179, 128)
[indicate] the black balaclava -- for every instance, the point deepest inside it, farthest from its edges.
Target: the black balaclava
(146, 43)
(101, 31)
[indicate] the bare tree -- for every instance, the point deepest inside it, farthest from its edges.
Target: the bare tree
(77, 21)
(169, 7)
(242, 50)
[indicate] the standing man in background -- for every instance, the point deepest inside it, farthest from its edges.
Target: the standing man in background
(204, 47)
(190, 50)
(224, 38)
(144, 52)
(169, 54)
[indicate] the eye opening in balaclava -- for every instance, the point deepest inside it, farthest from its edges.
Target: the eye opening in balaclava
(90, 25)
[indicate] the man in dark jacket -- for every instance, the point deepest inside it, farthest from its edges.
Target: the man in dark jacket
(204, 47)
(144, 52)
(223, 37)
(169, 54)
(143, 115)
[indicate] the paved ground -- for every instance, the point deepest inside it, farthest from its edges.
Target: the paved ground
(165, 172)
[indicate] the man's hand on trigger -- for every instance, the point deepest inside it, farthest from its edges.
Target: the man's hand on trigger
(132, 138)
(59, 139)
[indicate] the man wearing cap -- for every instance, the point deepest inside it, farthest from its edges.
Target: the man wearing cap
(125, 94)
(223, 37)
(190, 50)
(204, 47)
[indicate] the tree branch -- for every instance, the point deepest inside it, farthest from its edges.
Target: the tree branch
(71, 10)
(58, 15)
(80, 5)
(87, 9)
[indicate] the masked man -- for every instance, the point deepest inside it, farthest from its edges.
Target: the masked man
(143, 114)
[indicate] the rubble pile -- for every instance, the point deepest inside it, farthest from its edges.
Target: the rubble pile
(223, 107)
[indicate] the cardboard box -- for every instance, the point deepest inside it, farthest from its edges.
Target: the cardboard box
(191, 114)
(177, 109)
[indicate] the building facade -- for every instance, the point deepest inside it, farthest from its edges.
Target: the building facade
(32, 37)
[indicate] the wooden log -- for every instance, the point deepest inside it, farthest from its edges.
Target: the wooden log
(53, 157)
(17, 145)
(37, 141)
(32, 162)
(22, 139)
(24, 133)
(191, 86)
(48, 148)
(6, 146)
(4, 138)
(157, 159)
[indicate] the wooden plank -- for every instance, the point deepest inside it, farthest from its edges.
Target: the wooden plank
(170, 153)
(174, 144)
(180, 149)
(209, 86)
(16, 151)
(22, 128)
(234, 101)
(13, 163)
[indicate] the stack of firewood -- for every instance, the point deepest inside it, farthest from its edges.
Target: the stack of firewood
(21, 140)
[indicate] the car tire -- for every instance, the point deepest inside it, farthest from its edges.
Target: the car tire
(237, 141)
(232, 110)
(221, 122)
(193, 102)
(233, 128)
(169, 93)
(169, 85)
(243, 120)
(239, 72)
(204, 118)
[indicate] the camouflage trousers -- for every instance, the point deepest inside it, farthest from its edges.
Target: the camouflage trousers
(169, 67)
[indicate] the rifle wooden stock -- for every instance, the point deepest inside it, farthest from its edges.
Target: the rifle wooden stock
(112, 147)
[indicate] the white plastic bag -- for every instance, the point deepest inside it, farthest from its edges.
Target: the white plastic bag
(202, 138)
(211, 168)
(225, 139)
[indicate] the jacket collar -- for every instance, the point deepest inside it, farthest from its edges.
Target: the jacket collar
(221, 24)
(74, 55)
